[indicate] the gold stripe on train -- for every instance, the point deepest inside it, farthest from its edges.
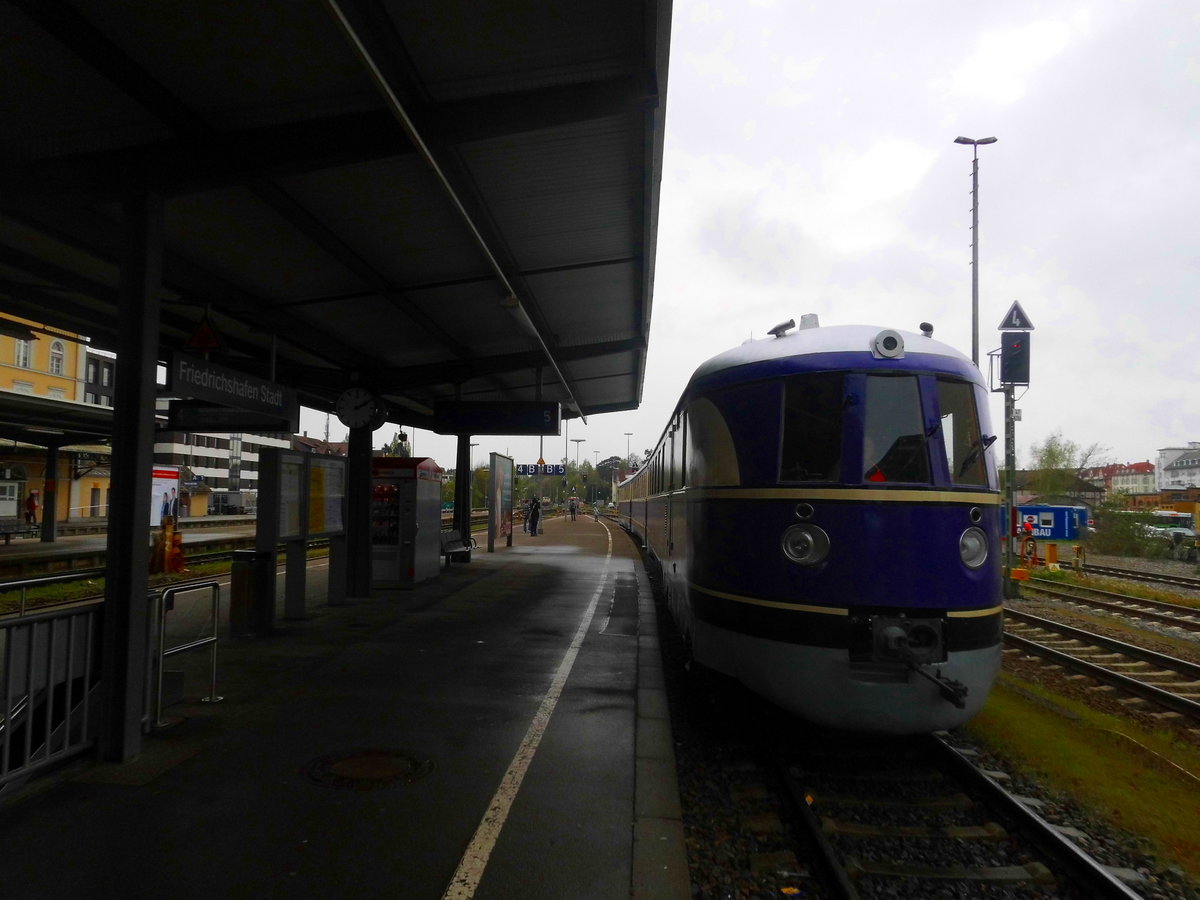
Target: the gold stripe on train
(829, 610)
(975, 613)
(774, 604)
(873, 496)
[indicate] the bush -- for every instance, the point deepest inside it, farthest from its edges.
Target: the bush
(1121, 533)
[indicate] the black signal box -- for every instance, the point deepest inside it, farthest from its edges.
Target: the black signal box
(1014, 357)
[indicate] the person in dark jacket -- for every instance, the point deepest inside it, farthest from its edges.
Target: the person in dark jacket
(535, 515)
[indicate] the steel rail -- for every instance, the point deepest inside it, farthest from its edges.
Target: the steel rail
(1138, 575)
(1192, 670)
(1086, 872)
(1155, 610)
(1166, 699)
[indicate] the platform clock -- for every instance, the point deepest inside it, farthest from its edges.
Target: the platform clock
(358, 407)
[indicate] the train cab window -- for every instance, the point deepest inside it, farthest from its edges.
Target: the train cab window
(895, 447)
(962, 438)
(812, 428)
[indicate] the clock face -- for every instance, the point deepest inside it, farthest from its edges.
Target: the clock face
(357, 407)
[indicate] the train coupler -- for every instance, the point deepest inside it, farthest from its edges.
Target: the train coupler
(952, 691)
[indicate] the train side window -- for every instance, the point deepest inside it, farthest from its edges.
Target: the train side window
(963, 443)
(812, 428)
(895, 447)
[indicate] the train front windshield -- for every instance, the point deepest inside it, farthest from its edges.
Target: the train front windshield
(821, 409)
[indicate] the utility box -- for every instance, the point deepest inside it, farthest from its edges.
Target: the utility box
(406, 521)
(1053, 523)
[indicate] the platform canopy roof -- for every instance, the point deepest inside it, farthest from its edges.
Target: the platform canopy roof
(438, 199)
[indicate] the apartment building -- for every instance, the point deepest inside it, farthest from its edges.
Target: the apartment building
(1134, 478)
(1179, 467)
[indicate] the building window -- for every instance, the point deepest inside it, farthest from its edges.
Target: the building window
(23, 387)
(24, 354)
(56, 393)
(106, 375)
(89, 397)
(91, 371)
(57, 356)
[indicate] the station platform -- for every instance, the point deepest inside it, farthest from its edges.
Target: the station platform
(500, 731)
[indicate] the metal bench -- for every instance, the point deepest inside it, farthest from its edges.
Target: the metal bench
(454, 544)
(13, 525)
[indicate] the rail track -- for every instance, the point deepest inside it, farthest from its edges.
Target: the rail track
(915, 817)
(1171, 683)
(1172, 614)
(1186, 581)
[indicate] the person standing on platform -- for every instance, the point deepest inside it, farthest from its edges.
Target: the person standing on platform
(571, 505)
(535, 515)
(31, 508)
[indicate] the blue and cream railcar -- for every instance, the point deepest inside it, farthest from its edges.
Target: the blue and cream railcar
(827, 523)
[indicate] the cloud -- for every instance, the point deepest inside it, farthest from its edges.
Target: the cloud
(1003, 62)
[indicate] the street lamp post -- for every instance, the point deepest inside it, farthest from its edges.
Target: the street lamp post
(628, 435)
(577, 442)
(975, 239)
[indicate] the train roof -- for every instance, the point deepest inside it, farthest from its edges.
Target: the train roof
(816, 339)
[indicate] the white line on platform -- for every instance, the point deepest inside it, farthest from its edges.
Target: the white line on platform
(470, 868)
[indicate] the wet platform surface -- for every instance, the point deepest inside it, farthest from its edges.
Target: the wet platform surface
(500, 731)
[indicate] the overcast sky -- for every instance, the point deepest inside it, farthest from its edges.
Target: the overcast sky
(810, 167)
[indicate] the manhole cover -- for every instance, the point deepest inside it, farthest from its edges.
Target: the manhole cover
(366, 770)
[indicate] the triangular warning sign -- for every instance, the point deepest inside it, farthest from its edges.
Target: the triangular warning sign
(1015, 319)
(204, 337)
(541, 462)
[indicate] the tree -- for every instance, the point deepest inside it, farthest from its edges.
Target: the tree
(398, 445)
(1058, 465)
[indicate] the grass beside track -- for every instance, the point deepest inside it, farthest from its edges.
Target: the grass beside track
(1141, 782)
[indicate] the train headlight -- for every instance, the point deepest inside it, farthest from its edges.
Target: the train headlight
(973, 548)
(807, 545)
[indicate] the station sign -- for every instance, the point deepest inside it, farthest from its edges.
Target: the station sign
(515, 417)
(541, 469)
(200, 416)
(192, 378)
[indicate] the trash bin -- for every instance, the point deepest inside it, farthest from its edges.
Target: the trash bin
(252, 593)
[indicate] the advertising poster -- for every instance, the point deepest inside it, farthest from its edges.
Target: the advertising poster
(500, 502)
(290, 497)
(164, 494)
(326, 495)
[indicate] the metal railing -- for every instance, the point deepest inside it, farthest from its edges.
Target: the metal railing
(50, 671)
(166, 602)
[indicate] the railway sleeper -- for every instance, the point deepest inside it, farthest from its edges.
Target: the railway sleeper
(950, 801)
(1033, 872)
(989, 831)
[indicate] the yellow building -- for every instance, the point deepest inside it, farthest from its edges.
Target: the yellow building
(44, 362)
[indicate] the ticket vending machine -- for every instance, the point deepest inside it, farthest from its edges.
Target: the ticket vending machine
(406, 521)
